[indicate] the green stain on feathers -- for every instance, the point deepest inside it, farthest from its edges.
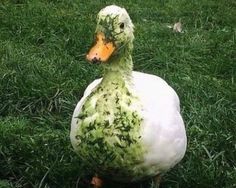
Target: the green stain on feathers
(109, 131)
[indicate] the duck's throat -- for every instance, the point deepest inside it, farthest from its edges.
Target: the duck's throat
(118, 70)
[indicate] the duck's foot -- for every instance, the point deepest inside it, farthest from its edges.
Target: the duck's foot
(96, 182)
(157, 181)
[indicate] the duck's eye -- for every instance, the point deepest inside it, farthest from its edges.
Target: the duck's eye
(122, 25)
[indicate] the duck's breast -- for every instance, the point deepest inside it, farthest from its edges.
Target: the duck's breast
(106, 127)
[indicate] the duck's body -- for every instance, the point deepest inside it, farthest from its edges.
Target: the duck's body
(153, 143)
(127, 126)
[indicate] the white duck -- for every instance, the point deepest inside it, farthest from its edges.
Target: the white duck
(127, 126)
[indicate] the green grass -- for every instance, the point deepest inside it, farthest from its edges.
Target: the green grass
(43, 74)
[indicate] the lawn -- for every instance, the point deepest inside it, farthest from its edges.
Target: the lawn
(43, 74)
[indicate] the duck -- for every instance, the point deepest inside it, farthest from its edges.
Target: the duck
(127, 127)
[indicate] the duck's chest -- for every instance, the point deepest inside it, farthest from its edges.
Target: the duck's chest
(109, 129)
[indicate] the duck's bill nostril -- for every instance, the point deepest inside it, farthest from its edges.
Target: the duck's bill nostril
(96, 60)
(101, 51)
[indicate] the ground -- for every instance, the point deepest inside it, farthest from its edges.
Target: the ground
(43, 74)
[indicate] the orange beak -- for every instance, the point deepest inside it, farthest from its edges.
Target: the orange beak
(101, 51)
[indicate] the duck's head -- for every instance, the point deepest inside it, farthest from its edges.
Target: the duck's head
(114, 34)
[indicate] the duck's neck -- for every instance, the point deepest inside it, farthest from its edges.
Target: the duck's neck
(118, 69)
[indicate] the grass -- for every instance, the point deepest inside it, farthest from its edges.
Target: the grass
(43, 74)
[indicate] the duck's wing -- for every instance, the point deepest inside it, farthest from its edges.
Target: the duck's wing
(79, 105)
(87, 92)
(91, 87)
(163, 128)
(154, 88)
